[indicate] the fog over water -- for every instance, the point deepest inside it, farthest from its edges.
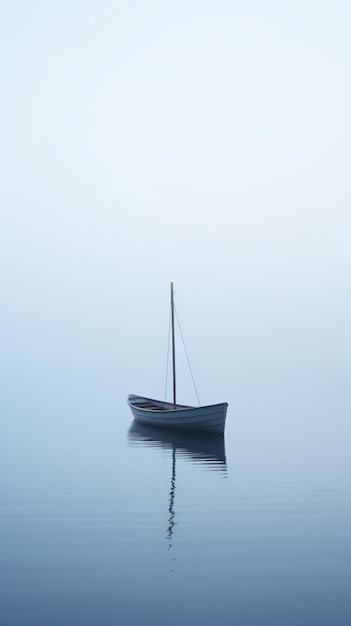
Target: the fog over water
(206, 144)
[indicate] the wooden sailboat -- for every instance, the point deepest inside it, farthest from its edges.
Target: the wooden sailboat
(210, 418)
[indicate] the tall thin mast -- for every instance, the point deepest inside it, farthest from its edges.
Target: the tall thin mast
(173, 349)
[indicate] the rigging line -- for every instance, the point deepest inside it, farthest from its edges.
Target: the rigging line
(169, 335)
(186, 354)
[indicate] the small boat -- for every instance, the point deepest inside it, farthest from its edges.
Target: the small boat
(210, 418)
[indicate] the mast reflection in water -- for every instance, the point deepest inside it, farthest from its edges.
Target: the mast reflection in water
(171, 511)
(206, 450)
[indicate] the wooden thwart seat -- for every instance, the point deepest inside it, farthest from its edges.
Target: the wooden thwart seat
(149, 405)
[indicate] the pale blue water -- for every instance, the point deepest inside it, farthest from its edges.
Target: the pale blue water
(104, 524)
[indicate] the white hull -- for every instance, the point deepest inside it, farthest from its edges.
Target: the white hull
(163, 414)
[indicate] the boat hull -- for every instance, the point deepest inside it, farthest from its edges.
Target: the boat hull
(209, 418)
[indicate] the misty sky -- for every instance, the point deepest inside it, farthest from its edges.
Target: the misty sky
(206, 143)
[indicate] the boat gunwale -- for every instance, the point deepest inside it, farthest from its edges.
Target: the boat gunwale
(178, 408)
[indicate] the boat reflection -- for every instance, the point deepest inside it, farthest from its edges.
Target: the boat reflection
(206, 449)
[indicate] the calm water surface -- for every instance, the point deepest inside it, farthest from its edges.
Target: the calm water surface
(104, 522)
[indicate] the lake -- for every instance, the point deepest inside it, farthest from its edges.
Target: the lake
(105, 523)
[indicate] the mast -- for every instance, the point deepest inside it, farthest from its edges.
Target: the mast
(173, 348)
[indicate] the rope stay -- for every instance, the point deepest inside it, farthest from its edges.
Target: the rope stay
(186, 354)
(185, 351)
